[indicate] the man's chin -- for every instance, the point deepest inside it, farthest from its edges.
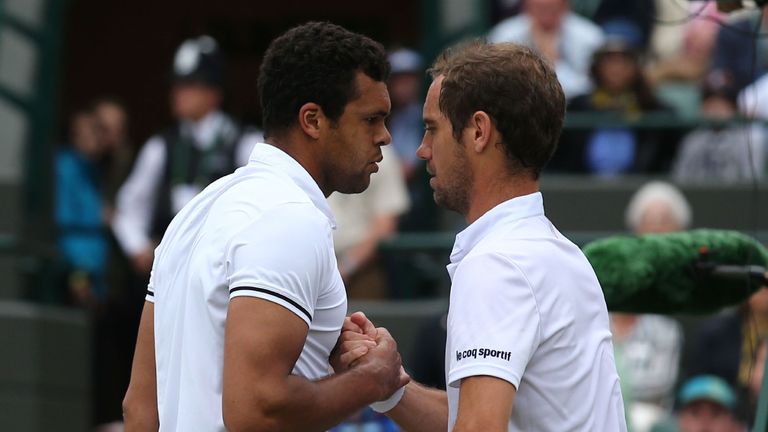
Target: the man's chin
(355, 187)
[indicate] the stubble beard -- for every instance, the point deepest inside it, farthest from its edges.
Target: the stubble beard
(353, 184)
(455, 194)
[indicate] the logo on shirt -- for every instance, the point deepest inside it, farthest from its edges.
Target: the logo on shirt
(483, 353)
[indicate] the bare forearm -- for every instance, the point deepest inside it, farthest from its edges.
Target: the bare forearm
(421, 409)
(304, 405)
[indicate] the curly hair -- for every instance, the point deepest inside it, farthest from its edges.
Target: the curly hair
(515, 87)
(315, 62)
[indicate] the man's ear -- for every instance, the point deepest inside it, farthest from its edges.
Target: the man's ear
(310, 119)
(481, 129)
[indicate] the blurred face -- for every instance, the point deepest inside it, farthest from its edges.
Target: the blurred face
(193, 101)
(112, 119)
(446, 158)
(354, 143)
(758, 302)
(658, 218)
(706, 416)
(404, 88)
(86, 137)
(546, 14)
(717, 108)
(617, 72)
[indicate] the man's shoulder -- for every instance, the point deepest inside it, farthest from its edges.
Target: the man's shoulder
(267, 195)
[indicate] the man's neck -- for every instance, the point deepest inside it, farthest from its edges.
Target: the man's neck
(300, 149)
(488, 194)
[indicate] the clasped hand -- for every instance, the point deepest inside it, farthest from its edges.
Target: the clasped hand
(363, 345)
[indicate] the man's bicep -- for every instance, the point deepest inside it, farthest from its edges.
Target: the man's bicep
(263, 340)
(485, 404)
(140, 403)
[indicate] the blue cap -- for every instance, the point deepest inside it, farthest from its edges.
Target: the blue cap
(405, 61)
(707, 387)
(623, 31)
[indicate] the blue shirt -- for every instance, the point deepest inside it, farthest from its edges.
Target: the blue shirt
(82, 238)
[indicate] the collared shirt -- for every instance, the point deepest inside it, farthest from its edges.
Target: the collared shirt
(264, 231)
(526, 307)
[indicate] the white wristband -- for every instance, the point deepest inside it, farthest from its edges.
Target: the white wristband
(389, 403)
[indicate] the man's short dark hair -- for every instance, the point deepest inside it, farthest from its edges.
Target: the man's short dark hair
(515, 87)
(315, 62)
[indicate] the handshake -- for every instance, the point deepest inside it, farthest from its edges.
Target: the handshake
(364, 348)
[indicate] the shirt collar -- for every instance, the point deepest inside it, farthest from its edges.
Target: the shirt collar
(273, 156)
(511, 210)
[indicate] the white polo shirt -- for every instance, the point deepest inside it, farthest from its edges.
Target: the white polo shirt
(264, 231)
(526, 307)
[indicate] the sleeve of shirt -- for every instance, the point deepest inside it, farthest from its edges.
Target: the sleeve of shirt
(283, 257)
(136, 198)
(493, 322)
(150, 295)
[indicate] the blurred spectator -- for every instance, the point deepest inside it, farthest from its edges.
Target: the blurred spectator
(739, 50)
(691, 60)
(405, 123)
(365, 219)
(562, 37)
(176, 164)
(112, 118)
(407, 128)
(723, 152)
(727, 345)
(637, 16)
(648, 347)
(620, 89)
(707, 404)
(658, 207)
(79, 211)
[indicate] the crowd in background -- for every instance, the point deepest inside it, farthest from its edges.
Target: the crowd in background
(614, 58)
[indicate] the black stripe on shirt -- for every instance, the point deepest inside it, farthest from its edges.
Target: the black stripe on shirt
(150, 293)
(272, 293)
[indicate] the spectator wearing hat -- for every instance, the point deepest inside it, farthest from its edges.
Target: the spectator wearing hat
(174, 165)
(562, 37)
(635, 17)
(723, 151)
(405, 124)
(620, 89)
(706, 404)
(407, 128)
